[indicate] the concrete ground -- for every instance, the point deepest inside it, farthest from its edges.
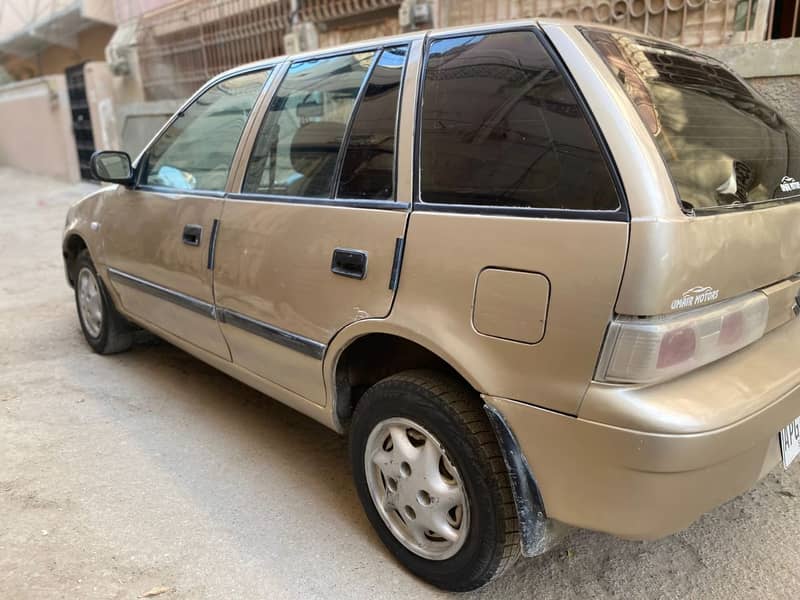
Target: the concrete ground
(150, 472)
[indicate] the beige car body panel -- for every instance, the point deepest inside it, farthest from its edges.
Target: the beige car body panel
(438, 302)
(142, 237)
(273, 264)
(637, 461)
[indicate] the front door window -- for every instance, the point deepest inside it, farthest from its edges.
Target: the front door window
(195, 153)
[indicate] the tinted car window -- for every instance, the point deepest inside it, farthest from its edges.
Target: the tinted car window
(299, 140)
(368, 167)
(196, 151)
(723, 145)
(501, 127)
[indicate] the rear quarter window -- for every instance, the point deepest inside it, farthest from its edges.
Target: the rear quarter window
(501, 127)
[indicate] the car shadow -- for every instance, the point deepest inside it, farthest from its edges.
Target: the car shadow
(261, 470)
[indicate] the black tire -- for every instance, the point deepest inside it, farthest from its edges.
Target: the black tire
(453, 413)
(116, 332)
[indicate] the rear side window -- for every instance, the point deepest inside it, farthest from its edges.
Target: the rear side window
(723, 145)
(501, 127)
(298, 143)
(368, 167)
(196, 151)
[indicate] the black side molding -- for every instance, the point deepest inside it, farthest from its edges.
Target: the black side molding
(212, 244)
(290, 340)
(159, 291)
(397, 263)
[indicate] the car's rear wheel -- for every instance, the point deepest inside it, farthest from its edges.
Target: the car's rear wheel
(432, 480)
(105, 330)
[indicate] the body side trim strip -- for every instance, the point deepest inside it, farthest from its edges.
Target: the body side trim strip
(280, 336)
(189, 302)
(269, 332)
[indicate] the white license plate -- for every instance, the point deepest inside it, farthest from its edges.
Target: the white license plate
(790, 442)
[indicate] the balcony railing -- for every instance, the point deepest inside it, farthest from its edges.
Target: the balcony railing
(183, 44)
(689, 22)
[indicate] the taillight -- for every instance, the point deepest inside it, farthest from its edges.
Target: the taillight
(647, 350)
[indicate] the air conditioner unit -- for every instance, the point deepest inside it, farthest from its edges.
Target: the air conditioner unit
(414, 14)
(120, 49)
(302, 37)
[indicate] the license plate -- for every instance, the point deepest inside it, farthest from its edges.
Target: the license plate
(790, 442)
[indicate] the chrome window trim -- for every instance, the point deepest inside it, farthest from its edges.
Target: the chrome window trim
(290, 340)
(302, 200)
(524, 211)
(405, 148)
(158, 189)
(183, 300)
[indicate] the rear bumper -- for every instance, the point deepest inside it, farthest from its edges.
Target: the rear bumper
(660, 466)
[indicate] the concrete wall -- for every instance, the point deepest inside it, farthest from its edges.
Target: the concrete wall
(91, 45)
(140, 121)
(36, 126)
(773, 68)
(783, 93)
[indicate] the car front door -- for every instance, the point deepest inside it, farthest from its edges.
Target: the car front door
(310, 243)
(157, 234)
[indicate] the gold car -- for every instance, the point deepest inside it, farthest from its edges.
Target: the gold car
(541, 274)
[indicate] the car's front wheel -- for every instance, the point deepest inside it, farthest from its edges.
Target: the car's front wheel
(106, 331)
(432, 480)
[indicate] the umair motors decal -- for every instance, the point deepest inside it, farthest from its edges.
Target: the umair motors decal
(694, 296)
(789, 184)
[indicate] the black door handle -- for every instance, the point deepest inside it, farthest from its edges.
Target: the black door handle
(349, 263)
(192, 235)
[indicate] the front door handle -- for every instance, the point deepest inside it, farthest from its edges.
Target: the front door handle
(192, 235)
(349, 263)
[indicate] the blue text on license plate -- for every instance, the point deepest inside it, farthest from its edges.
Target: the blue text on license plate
(789, 438)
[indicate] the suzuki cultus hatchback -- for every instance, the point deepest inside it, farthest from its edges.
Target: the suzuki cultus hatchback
(541, 274)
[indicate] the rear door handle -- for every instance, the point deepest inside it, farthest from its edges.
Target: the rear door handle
(192, 235)
(349, 263)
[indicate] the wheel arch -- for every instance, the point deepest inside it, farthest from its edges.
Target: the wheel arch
(363, 354)
(72, 246)
(350, 368)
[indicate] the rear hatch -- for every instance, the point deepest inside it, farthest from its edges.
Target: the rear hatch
(721, 271)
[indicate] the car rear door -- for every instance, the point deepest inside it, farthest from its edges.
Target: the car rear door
(516, 244)
(312, 241)
(157, 234)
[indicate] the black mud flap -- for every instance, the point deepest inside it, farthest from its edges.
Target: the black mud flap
(539, 534)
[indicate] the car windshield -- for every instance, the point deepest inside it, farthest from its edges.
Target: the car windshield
(723, 145)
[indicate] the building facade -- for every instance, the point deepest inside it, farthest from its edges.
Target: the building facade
(131, 62)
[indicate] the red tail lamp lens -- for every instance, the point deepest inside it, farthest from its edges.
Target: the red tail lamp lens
(676, 347)
(732, 328)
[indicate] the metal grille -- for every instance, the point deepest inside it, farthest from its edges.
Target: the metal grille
(81, 119)
(182, 46)
(328, 10)
(186, 43)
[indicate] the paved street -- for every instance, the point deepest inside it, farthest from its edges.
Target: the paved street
(149, 471)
